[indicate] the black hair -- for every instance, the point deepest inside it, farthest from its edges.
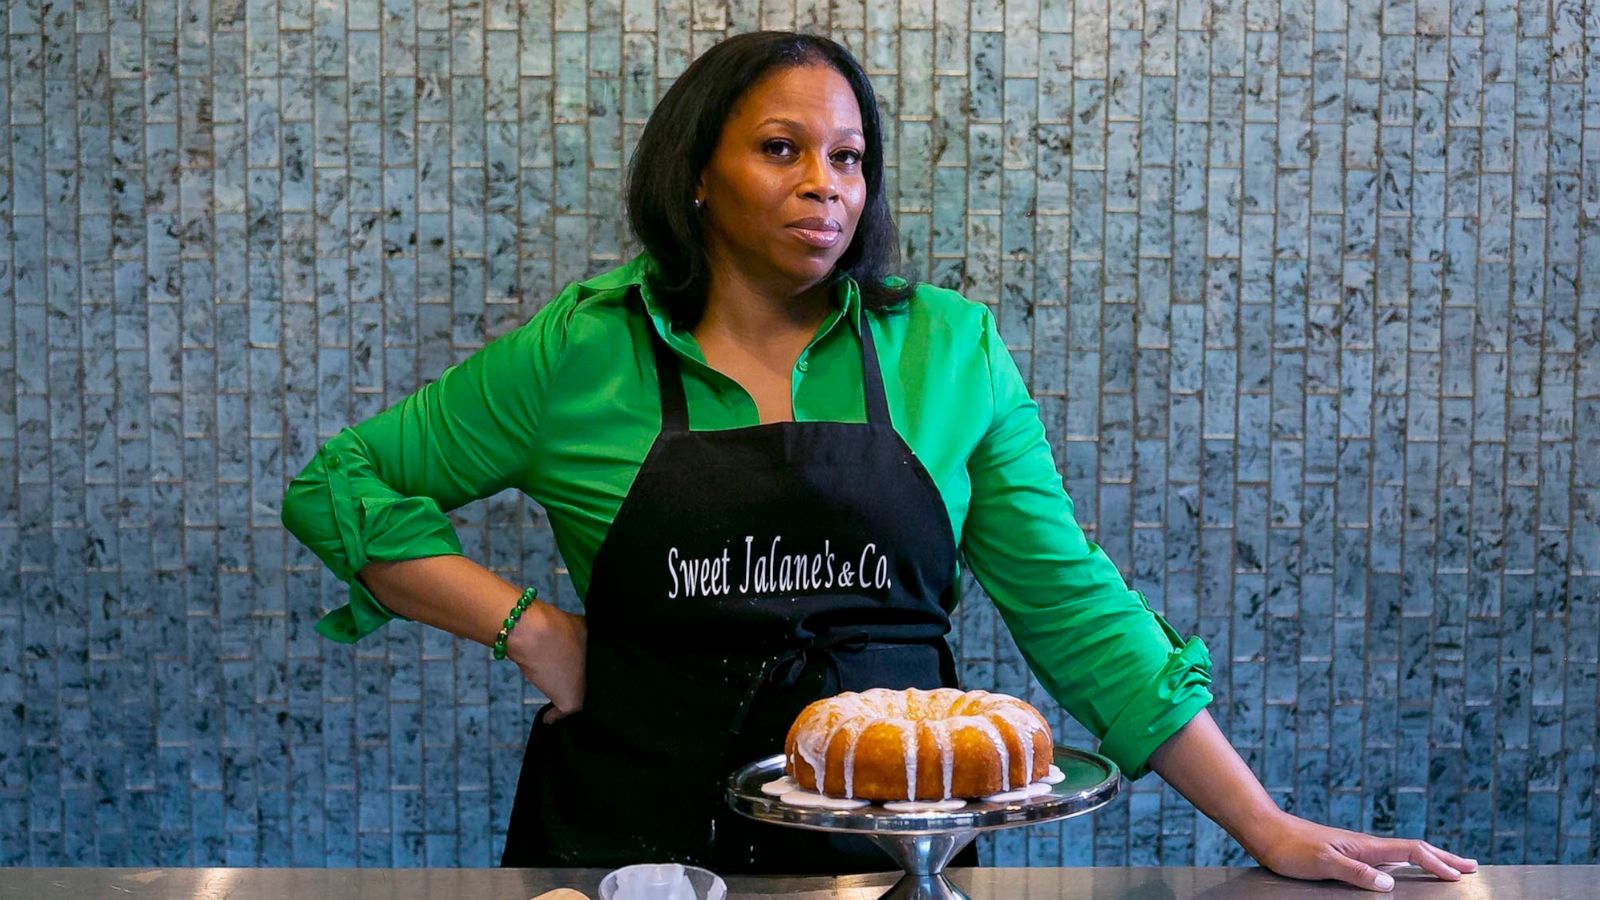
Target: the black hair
(680, 138)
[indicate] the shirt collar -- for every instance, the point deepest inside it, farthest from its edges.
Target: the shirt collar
(846, 304)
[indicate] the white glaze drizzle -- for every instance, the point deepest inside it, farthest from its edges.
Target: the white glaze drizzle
(906, 806)
(1024, 723)
(987, 728)
(940, 730)
(779, 786)
(908, 743)
(1056, 776)
(1037, 789)
(852, 733)
(805, 750)
(813, 745)
(809, 798)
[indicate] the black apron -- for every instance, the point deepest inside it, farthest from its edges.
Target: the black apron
(748, 572)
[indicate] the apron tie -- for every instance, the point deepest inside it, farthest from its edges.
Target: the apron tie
(785, 669)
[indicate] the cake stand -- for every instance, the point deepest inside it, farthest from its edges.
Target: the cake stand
(922, 843)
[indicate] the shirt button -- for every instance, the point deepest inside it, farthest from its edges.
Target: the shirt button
(804, 366)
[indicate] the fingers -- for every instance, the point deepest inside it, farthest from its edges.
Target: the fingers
(1358, 873)
(1461, 863)
(1424, 856)
(1419, 853)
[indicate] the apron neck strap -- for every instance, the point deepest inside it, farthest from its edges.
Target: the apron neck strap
(872, 377)
(675, 408)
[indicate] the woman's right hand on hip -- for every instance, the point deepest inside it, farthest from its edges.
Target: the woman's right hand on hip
(548, 646)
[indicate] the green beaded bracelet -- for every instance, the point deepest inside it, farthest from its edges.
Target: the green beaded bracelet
(527, 597)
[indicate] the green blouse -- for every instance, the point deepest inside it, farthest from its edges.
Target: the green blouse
(565, 407)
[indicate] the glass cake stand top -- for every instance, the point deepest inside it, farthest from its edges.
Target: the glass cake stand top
(921, 843)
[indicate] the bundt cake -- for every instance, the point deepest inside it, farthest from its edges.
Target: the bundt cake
(917, 745)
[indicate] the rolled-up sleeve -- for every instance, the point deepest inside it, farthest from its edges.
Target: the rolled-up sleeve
(1113, 663)
(381, 490)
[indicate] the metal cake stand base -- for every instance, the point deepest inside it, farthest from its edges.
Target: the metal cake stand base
(922, 844)
(923, 858)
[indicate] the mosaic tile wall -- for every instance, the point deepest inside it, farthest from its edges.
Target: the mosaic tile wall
(1298, 284)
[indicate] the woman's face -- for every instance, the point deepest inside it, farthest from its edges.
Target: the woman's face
(784, 188)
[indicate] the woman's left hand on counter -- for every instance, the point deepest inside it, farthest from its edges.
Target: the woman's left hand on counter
(1298, 848)
(1204, 767)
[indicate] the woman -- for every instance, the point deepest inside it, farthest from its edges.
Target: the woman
(757, 452)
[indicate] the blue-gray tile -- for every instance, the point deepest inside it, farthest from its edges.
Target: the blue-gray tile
(1300, 301)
